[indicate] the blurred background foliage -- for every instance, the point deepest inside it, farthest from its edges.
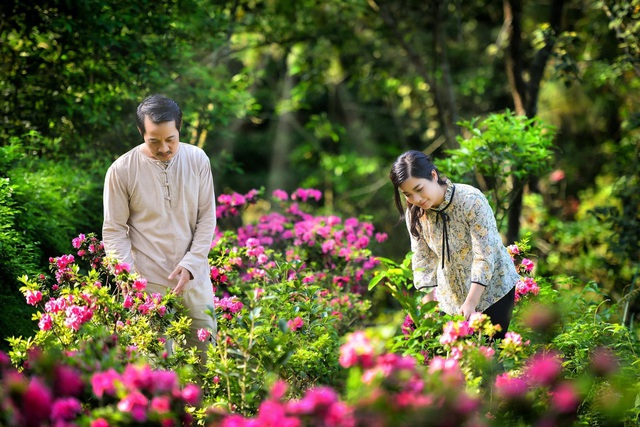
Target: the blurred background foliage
(325, 94)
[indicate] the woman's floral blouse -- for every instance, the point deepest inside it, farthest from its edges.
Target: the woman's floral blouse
(460, 244)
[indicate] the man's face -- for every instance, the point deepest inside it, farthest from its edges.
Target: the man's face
(162, 139)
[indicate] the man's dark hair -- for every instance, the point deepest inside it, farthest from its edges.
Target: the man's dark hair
(159, 109)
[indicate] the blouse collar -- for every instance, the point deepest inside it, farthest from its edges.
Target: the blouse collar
(448, 196)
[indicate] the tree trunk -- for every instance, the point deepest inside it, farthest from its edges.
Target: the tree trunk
(525, 94)
(443, 98)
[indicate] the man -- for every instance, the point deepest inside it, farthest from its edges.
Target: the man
(159, 212)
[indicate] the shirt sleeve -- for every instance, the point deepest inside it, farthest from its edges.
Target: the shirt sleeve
(423, 261)
(484, 232)
(115, 231)
(198, 253)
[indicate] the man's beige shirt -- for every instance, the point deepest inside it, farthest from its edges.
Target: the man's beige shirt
(159, 216)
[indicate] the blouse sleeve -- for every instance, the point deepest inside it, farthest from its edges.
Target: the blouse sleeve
(485, 239)
(423, 261)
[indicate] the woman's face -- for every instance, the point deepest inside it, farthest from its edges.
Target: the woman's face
(423, 192)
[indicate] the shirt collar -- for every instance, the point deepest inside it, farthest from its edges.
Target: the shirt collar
(448, 196)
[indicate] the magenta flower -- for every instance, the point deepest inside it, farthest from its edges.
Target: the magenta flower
(68, 381)
(381, 237)
(512, 338)
(280, 195)
(65, 409)
(448, 369)
(138, 377)
(163, 381)
(99, 422)
(543, 369)
(306, 194)
(203, 334)
(104, 382)
(191, 394)
(278, 390)
(77, 316)
(78, 241)
(135, 403)
(509, 387)
(161, 404)
(295, 324)
(121, 268)
(408, 326)
(128, 301)
(36, 402)
(357, 351)
(140, 284)
(565, 397)
(33, 297)
(526, 264)
(45, 323)
(454, 330)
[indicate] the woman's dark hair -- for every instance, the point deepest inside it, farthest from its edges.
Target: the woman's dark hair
(412, 164)
(159, 109)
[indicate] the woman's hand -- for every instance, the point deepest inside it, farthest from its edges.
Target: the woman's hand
(467, 309)
(472, 301)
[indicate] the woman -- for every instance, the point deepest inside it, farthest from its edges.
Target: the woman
(456, 246)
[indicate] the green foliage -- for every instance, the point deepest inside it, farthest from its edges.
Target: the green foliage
(498, 148)
(43, 203)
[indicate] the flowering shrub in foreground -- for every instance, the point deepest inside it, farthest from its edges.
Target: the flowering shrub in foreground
(289, 289)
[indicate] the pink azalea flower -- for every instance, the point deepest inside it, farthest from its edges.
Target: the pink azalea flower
(510, 388)
(65, 409)
(78, 241)
(163, 381)
(104, 382)
(37, 401)
(161, 404)
(121, 267)
(135, 403)
(512, 338)
(565, 397)
(280, 195)
(45, 323)
(487, 352)
(356, 351)
(77, 316)
(381, 237)
(140, 284)
(408, 326)
(191, 394)
(527, 264)
(543, 369)
(203, 334)
(33, 297)
(295, 324)
(67, 382)
(278, 389)
(128, 301)
(99, 422)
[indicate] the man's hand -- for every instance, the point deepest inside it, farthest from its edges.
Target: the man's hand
(184, 277)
